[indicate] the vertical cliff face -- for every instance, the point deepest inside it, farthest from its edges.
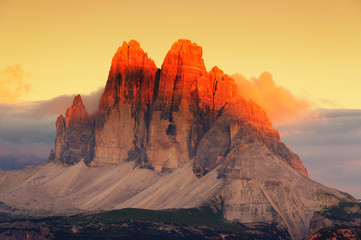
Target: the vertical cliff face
(183, 81)
(60, 141)
(124, 108)
(189, 100)
(74, 135)
(162, 118)
(183, 78)
(223, 89)
(130, 80)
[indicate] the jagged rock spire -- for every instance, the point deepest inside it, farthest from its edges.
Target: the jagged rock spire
(163, 118)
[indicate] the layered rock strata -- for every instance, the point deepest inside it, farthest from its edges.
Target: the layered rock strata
(163, 118)
(74, 135)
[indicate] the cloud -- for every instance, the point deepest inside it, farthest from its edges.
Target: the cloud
(24, 135)
(328, 141)
(329, 144)
(326, 127)
(12, 84)
(279, 103)
(59, 104)
(328, 102)
(28, 130)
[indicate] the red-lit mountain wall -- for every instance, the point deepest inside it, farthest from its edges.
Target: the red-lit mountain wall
(162, 118)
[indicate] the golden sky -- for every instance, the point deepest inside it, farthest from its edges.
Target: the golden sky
(312, 48)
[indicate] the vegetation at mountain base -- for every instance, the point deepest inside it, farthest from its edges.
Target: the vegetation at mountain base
(129, 223)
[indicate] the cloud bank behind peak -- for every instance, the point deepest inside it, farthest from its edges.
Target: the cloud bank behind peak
(279, 103)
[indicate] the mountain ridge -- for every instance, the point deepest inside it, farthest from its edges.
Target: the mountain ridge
(164, 111)
(172, 138)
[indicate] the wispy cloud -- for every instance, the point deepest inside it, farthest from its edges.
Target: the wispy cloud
(58, 105)
(279, 103)
(29, 129)
(13, 84)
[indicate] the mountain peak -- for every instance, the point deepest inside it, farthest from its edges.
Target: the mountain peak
(128, 65)
(74, 134)
(185, 53)
(214, 148)
(77, 112)
(183, 45)
(78, 101)
(216, 70)
(146, 113)
(133, 44)
(130, 54)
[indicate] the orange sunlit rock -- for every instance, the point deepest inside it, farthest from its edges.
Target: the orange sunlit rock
(130, 68)
(163, 118)
(77, 112)
(125, 105)
(182, 69)
(224, 88)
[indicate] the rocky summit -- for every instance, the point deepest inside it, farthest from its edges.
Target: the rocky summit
(178, 137)
(163, 118)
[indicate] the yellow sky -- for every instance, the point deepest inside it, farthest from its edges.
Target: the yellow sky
(313, 48)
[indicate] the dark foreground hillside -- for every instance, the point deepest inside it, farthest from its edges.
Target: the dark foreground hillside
(138, 224)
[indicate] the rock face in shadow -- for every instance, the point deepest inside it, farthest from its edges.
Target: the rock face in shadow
(163, 118)
(172, 117)
(124, 109)
(339, 218)
(74, 135)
